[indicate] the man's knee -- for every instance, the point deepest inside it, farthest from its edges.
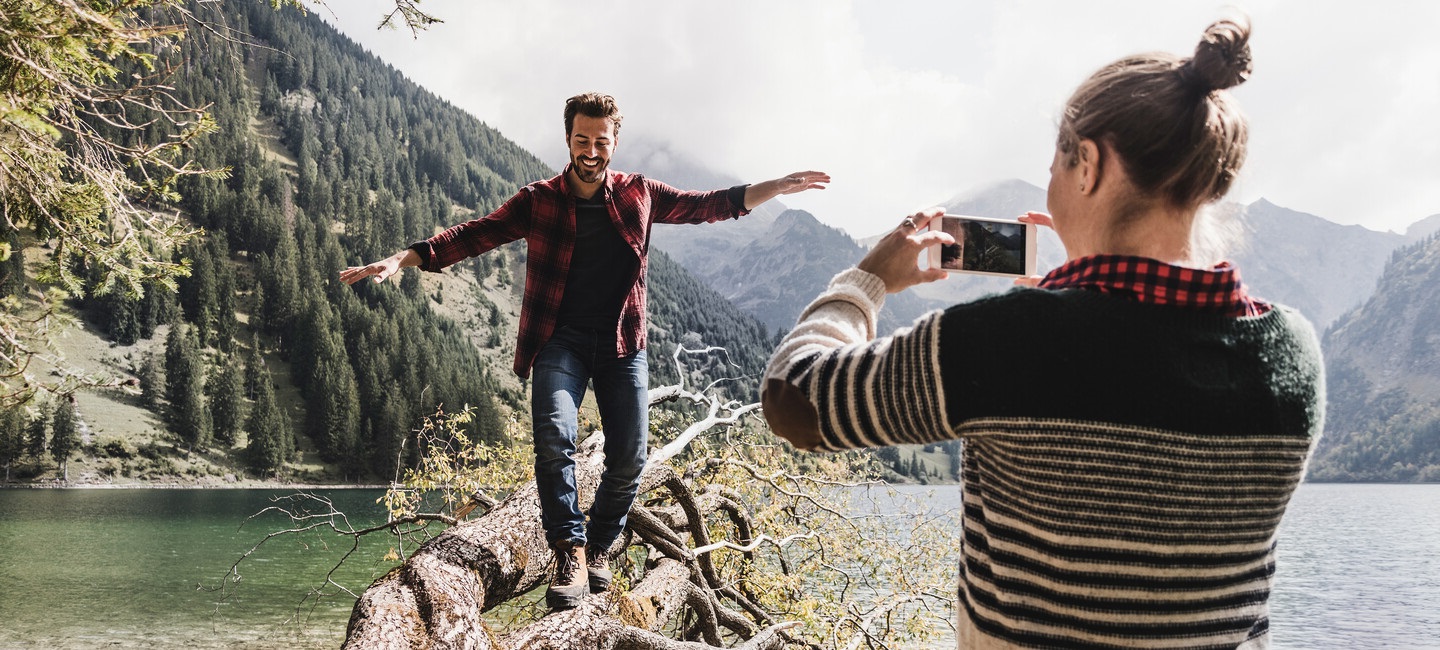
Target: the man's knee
(627, 466)
(553, 445)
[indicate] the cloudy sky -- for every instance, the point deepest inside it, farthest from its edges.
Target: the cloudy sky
(907, 103)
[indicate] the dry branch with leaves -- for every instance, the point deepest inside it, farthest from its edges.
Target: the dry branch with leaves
(730, 543)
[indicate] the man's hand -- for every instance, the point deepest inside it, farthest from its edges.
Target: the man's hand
(382, 269)
(895, 257)
(796, 182)
(801, 181)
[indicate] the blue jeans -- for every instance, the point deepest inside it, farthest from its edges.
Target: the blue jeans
(565, 364)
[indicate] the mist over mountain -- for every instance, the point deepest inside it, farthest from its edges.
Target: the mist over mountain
(699, 250)
(1422, 228)
(1319, 267)
(771, 262)
(775, 274)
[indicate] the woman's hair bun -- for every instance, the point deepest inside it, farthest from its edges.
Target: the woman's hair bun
(1222, 59)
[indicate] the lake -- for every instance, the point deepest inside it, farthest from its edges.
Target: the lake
(1359, 568)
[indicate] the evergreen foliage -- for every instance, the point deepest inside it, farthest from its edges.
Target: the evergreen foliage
(12, 266)
(37, 432)
(255, 372)
(227, 402)
(378, 162)
(93, 143)
(152, 382)
(271, 441)
(685, 311)
(198, 297)
(189, 415)
(65, 436)
(12, 438)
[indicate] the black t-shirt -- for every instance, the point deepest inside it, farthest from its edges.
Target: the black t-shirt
(602, 270)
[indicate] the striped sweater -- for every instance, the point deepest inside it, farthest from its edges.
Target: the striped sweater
(1125, 465)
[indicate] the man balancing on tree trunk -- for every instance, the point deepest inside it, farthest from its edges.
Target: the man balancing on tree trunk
(583, 319)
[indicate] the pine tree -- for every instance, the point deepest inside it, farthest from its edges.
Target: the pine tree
(12, 437)
(157, 307)
(37, 433)
(387, 438)
(198, 293)
(152, 382)
(119, 317)
(226, 389)
(227, 327)
(335, 413)
(279, 279)
(66, 437)
(254, 368)
(271, 439)
(185, 388)
(269, 94)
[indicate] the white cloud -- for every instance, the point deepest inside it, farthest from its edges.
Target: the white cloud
(907, 103)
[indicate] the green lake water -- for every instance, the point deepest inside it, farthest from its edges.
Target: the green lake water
(120, 568)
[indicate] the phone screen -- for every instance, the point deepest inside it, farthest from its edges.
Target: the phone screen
(984, 246)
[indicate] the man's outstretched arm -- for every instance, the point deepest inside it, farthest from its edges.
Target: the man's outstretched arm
(506, 224)
(382, 269)
(790, 184)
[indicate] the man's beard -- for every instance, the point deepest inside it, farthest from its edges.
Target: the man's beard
(586, 174)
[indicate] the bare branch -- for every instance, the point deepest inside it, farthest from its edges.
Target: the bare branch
(777, 543)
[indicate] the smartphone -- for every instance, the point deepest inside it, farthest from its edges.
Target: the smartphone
(985, 246)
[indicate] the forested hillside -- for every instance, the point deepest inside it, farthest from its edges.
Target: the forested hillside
(376, 162)
(269, 364)
(1383, 363)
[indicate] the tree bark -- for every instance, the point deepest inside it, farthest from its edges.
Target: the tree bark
(436, 597)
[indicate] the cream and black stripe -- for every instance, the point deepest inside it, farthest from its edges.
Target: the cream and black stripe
(1125, 467)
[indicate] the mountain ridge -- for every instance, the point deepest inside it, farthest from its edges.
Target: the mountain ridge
(1344, 278)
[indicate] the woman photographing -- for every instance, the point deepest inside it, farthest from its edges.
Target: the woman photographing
(1134, 426)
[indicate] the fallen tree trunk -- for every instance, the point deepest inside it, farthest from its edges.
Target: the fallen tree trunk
(435, 599)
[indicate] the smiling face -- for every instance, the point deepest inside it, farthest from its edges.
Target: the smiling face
(591, 141)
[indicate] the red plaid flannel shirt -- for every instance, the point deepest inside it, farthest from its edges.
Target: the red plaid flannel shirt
(543, 214)
(1155, 282)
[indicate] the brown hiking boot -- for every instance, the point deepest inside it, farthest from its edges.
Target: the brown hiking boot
(597, 565)
(571, 583)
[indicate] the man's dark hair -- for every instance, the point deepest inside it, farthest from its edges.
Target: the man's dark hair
(591, 105)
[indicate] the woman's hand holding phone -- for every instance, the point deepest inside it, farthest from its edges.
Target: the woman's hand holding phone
(1037, 219)
(895, 258)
